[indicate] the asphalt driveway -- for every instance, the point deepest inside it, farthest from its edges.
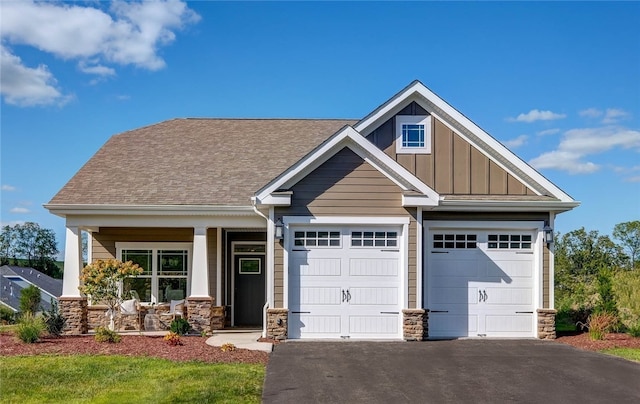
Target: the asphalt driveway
(459, 371)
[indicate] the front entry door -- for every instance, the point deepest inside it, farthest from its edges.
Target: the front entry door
(249, 284)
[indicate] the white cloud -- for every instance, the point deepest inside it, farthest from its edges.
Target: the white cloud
(25, 86)
(590, 113)
(125, 34)
(547, 132)
(19, 209)
(517, 142)
(632, 179)
(577, 144)
(537, 115)
(614, 115)
(8, 188)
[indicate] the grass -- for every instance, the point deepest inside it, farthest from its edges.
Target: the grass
(117, 378)
(632, 354)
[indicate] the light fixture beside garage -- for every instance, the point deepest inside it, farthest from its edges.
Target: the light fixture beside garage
(279, 230)
(548, 233)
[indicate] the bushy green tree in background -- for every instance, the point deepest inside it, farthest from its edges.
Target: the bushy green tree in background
(30, 299)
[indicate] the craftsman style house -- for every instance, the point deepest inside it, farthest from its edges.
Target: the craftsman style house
(410, 223)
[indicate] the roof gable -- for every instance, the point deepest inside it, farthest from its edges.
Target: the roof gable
(469, 131)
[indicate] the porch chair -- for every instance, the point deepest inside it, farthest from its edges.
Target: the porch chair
(130, 308)
(176, 308)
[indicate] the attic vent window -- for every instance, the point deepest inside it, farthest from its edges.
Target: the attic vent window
(413, 134)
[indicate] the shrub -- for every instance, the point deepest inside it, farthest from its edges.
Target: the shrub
(626, 287)
(53, 320)
(29, 328)
(7, 316)
(104, 334)
(604, 284)
(180, 326)
(173, 339)
(634, 330)
(30, 299)
(600, 324)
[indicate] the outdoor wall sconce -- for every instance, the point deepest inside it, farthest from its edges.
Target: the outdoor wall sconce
(279, 233)
(548, 233)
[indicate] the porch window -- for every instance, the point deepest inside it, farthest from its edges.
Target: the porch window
(166, 272)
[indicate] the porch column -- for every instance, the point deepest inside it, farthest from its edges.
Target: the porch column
(72, 262)
(200, 268)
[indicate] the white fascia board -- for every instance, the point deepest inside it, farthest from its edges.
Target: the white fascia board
(161, 210)
(346, 220)
(276, 200)
(471, 224)
(347, 137)
(475, 135)
(502, 206)
(253, 221)
(418, 200)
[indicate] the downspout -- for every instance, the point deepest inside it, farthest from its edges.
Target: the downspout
(269, 262)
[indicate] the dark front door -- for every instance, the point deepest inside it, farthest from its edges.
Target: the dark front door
(249, 288)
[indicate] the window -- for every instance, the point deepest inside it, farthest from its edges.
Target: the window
(455, 241)
(316, 239)
(165, 267)
(374, 239)
(413, 134)
(509, 241)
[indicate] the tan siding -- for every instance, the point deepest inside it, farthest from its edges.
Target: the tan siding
(413, 258)
(461, 166)
(486, 216)
(515, 187)
(104, 241)
(212, 255)
(442, 151)
(497, 180)
(279, 275)
(479, 173)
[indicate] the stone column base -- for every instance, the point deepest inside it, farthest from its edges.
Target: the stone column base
(415, 324)
(199, 313)
(217, 317)
(74, 310)
(277, 323)
(547, 323)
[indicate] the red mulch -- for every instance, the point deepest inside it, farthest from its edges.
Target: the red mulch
(583, 341)
(193, 348)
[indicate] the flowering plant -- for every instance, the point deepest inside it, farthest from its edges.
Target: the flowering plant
(101, 279)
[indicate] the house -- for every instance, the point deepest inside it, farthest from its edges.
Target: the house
(13, 279)
(410, 223)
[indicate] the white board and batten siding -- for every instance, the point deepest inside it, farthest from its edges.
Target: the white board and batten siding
(481, 281)
(345, 282)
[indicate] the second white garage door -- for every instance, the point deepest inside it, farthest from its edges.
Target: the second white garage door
(345, 282)
(480, 282)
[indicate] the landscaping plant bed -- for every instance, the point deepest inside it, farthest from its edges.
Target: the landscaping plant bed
(613, 340)
(193, 348)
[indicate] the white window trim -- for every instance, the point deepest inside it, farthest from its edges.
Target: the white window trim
(413, 120)
(120, 246)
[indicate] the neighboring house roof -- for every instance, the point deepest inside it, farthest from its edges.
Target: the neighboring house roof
(13, 279)
(225, 161)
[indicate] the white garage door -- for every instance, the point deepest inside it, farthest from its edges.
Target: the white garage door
(345, 283)
(480, 282)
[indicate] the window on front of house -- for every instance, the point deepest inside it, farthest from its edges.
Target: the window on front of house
(166, 272)
(413, 134)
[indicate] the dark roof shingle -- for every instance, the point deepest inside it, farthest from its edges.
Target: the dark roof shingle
(194, 161)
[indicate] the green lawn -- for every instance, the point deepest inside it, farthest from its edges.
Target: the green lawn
(632, 354)
(122, 379)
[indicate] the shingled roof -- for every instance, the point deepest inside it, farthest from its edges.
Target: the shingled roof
(219, 162)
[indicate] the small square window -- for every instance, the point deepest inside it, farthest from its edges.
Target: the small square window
(413, 134)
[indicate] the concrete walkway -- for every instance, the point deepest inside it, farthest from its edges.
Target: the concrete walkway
(241, 339)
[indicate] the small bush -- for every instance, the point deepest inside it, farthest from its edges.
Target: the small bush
(7, 316)
(600, 324)
(29, 328)
(173, 339)
(53, 320)
(227, 347)
(30, 299)
(180, 326)
(106, 335)
(634, 330)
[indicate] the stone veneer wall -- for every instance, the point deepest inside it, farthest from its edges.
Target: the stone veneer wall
(200, 313)
(415, 324)
(547, 323)
(277, 323)
(217, 317)
(74, 310)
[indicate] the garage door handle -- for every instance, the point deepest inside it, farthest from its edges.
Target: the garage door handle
(344, 296)
(438, 311)
(300, 312)
(348, 296)
(389, 312)
(439, 252)
(524, 312)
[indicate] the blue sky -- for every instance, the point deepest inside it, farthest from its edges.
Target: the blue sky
(558, 83)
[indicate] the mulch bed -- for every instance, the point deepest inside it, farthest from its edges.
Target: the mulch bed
(193, 348)
(583, 341)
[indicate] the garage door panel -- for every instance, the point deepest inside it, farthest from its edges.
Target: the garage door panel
(314, 326)
(509, 296)
(320, 296)
(373, 267)
(509, 324)
(452, 325)
(362, 326)
(317, 267)
(385, 296)
(509, 268)
(457, 295)
(452, 268)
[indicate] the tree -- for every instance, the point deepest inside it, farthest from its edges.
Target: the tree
(629, 235)
(33, 243)
(30, 299)
(101, 281)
